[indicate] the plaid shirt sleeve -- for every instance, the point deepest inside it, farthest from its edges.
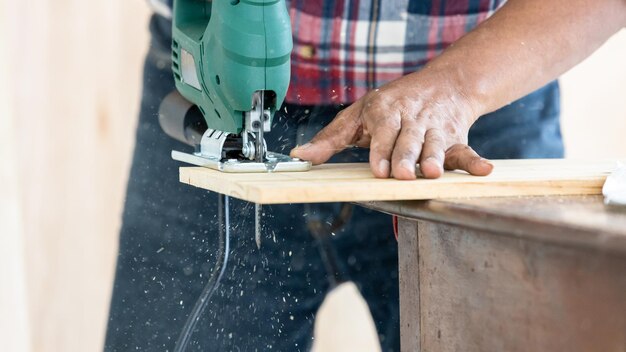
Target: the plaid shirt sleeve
(344, 48)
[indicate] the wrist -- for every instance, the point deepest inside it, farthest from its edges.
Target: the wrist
(468, 88)
(464, 97)
(463, 68)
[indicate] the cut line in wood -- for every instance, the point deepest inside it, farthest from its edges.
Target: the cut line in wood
(355, 182)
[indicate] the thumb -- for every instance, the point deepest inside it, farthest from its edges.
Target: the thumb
(342, 132)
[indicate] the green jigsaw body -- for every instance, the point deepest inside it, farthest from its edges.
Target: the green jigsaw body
(224, 51)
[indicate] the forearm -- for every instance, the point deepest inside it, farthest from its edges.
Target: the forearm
(524, 45)
(424, 117)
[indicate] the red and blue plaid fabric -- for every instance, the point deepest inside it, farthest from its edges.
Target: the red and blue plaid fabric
(344, 48)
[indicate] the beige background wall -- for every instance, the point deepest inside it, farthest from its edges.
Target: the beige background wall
(594, 103)
(69, 92)
(72, 77)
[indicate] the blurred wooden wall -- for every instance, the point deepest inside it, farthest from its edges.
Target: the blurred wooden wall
(14, 331)
(74, 70)
(69, 95)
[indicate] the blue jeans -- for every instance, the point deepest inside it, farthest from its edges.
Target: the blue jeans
(268, 298)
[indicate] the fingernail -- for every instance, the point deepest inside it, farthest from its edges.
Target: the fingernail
(383, 166)
(433, 160)
(405, 163)
(486, 161)
(304, 146)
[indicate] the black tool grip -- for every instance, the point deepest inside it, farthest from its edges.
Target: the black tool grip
(181, 119)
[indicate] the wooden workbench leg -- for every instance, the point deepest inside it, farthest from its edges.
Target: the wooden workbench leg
(480, 291)
(408, 258)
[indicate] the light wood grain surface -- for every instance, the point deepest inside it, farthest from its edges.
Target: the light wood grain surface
(355, 182)
(14, 332)
(73, 71)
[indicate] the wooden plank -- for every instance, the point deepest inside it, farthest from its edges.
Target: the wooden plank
(74, 72)
(486, 292)
(14, 324)
(354, 182)
(408, 272)
(581, 221)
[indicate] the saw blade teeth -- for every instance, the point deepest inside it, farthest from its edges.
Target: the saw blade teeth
(257, 224)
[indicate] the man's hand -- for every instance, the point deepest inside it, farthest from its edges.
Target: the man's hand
(418, 118)
(425, 116)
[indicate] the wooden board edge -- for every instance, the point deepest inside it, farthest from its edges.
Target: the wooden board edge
(351, 192)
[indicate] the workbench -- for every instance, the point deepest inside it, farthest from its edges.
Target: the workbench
(511, 274)
(530, 260)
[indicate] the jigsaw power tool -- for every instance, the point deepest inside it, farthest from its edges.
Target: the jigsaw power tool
(231, 64)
